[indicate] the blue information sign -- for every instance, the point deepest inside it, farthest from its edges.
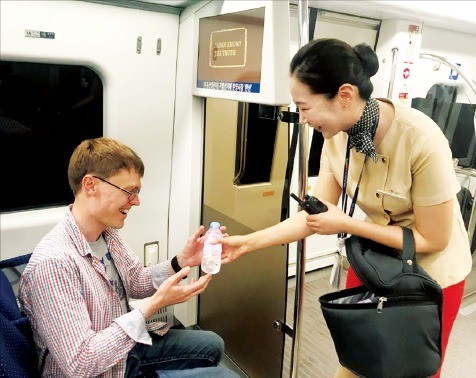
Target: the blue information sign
(229, 86)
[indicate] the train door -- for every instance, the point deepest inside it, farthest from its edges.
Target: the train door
(244, 170)
(245, 158)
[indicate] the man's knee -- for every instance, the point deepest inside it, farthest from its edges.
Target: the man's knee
(214, 341)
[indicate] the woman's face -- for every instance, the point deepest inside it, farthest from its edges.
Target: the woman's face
(323, 114)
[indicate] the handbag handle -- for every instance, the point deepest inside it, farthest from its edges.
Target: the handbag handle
(409, 261)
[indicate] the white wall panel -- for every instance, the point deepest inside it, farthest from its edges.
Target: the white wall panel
(139, 95)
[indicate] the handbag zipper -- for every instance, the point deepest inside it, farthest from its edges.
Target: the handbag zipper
(380, 304)
(381, 301)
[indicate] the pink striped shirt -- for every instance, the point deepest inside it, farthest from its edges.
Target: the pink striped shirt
(72, 307)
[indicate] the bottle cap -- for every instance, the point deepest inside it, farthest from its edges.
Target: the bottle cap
(215, 225)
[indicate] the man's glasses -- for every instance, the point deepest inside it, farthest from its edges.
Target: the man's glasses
(131, 195)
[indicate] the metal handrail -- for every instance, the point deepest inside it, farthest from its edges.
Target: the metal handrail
(393, 72)
(303, 22)
(453, 66)
(242, 137)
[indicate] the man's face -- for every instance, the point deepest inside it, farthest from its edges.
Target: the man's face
(116, 196)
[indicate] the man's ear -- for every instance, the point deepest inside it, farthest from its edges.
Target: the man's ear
(89, 186)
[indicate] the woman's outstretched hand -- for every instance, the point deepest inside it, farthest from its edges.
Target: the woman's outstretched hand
(233, 247)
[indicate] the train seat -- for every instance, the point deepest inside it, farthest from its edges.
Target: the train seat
(18, 356)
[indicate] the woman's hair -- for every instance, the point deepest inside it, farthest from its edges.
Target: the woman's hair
(103, 157)
(325, 64)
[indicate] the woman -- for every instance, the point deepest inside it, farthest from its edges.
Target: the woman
(399, 160)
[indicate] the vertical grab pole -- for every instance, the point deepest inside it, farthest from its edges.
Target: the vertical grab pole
(303, 19)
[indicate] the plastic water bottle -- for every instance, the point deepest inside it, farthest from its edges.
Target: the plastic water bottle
(211, 259)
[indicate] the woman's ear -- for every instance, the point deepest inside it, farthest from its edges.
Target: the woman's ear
(346, 94)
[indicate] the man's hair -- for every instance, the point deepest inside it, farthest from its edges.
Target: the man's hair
(103, 157)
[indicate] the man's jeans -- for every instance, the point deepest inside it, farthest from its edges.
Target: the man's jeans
(179, 353)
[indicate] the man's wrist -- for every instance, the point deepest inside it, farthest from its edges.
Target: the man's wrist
(142, 313)
(176, 267)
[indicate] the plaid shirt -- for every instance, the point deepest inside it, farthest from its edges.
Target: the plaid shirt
(74, 311)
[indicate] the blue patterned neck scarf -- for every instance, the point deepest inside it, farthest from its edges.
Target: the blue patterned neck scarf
(362, 133)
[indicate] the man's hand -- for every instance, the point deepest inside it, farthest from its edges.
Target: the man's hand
(171, 292)
(193, 250)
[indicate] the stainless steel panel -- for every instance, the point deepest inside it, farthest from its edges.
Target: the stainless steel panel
(242, 302)
(248, 295)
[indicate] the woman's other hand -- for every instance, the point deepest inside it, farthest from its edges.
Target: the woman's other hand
(331, 222)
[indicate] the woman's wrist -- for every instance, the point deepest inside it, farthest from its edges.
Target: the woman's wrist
(347, 226)
(250, 243)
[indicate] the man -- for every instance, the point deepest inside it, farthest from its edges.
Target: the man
(76, 286)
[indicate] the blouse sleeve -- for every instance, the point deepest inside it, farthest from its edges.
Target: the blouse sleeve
(325, 166)
(433, 175)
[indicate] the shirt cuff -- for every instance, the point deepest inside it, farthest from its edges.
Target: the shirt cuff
(160, 272)
(133, 324)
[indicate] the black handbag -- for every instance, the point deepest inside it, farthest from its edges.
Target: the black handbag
(390, 326)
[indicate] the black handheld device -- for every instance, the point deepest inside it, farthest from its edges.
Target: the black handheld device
(310, 204)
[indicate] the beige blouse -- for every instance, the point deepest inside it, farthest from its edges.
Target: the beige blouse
(415, 166)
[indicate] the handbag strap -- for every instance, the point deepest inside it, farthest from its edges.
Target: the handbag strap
(408, 256)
